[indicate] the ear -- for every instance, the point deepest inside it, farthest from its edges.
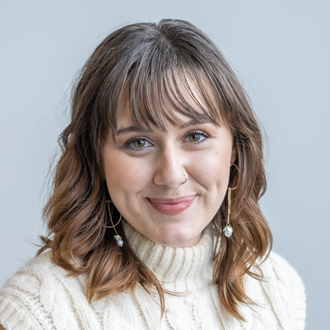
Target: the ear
(233, 153)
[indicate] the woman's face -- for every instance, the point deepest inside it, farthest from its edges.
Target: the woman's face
(146, 173)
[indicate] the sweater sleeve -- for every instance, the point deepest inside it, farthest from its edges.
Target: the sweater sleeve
(291, 290)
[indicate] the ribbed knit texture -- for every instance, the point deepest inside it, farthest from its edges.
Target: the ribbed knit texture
(40, 296)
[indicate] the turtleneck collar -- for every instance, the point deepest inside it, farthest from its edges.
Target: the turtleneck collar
(183, 270)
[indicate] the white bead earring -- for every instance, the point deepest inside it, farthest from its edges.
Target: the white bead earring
(228, 230)
(117, 237)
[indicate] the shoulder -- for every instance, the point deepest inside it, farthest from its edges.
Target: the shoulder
(280, 272)
(284, 288)
(35, 291)
(35, 276)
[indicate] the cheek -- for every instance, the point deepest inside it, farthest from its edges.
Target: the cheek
(125, 175)
(212, 170)
(213, 176)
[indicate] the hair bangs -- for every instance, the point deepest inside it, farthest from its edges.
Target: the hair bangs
(159, 93)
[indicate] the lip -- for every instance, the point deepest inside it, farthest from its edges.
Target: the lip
(171, 206)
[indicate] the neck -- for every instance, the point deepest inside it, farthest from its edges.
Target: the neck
(179, 269)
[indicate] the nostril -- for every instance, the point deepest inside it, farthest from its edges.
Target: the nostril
(170, 179)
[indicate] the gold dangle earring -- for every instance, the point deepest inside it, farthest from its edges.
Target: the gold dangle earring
(117, 237)
(228, 230)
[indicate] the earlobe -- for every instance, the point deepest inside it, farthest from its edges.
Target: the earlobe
(233, 154)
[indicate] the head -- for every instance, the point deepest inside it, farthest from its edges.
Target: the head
(158, 117)
(168, 182)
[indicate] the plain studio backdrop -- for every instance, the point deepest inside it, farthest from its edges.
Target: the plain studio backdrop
(280, 52)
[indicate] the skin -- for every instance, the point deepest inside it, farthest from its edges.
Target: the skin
(143, 165)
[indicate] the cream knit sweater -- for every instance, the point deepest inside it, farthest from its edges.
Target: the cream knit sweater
(40, 296)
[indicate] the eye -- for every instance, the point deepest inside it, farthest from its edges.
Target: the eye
(196, 136)
(137, 143)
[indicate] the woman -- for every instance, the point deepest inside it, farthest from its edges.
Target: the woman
(154, 220)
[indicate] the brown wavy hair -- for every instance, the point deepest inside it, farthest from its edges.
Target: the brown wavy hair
(153, 62)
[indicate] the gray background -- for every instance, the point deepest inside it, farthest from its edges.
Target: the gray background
(280, 51)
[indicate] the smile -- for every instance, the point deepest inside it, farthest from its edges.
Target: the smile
(171, 206)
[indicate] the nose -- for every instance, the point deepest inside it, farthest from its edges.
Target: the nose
(170, 170)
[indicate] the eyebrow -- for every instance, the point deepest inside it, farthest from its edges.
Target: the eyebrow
(130, 129)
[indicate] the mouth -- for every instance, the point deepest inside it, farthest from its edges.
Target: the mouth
(171, 206)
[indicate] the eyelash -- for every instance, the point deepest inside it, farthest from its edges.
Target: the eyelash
(197, 132)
